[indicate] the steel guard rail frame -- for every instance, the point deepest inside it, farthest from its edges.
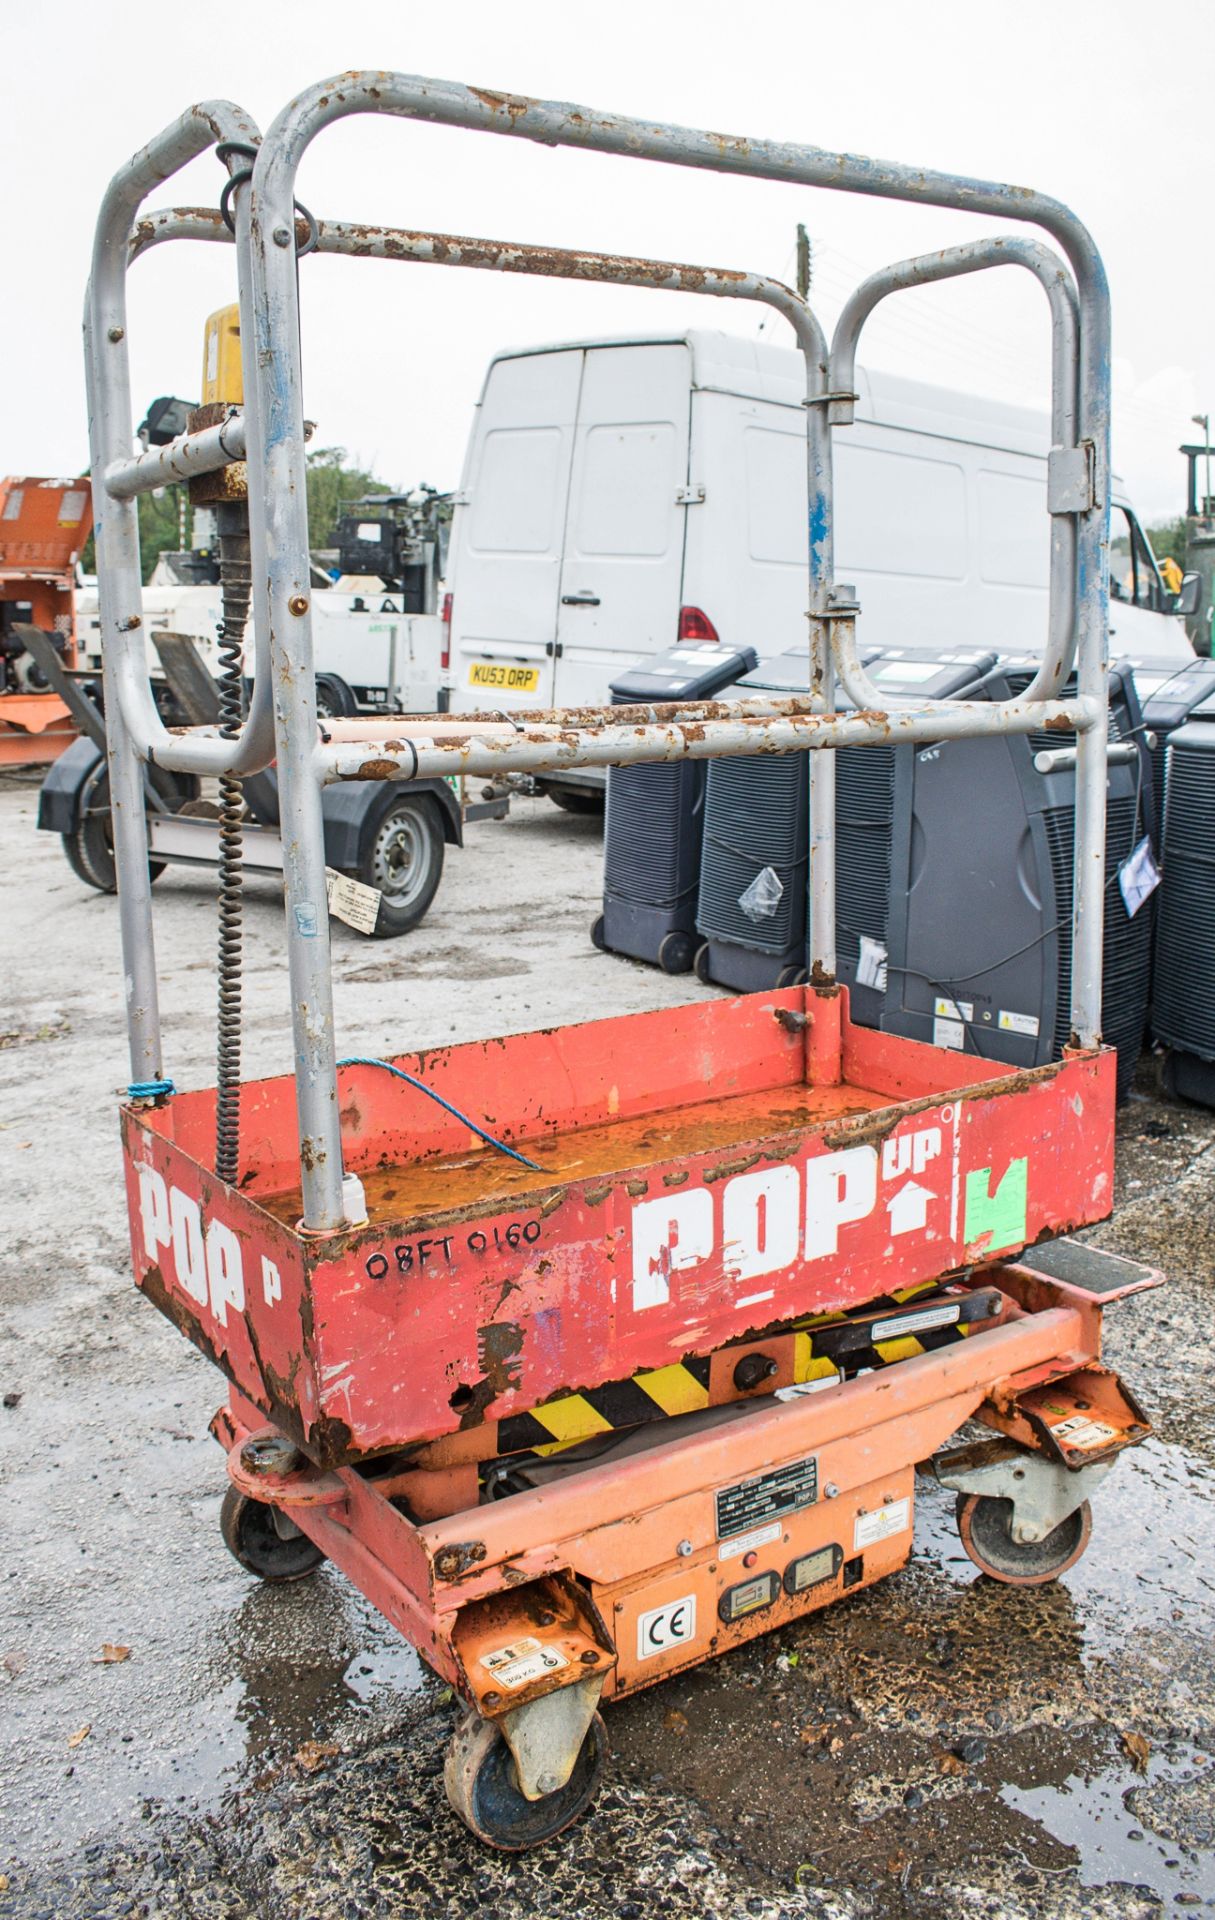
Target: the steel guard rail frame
(826, 401)
(274, 435)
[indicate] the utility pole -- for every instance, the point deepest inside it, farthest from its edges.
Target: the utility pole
(1202, 420)
(803, 269)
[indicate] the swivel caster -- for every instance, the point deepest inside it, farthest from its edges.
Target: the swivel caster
(985, 1526)
(483, 1787)
(264, 1541)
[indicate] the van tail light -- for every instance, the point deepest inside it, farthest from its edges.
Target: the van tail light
(445, 655)
(695, 625)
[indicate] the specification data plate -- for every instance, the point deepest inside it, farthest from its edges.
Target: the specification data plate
(786, 1490)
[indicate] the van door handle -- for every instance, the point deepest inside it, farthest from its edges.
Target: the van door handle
(584, 599)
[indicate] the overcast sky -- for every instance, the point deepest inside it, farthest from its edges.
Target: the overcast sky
(1103, 103)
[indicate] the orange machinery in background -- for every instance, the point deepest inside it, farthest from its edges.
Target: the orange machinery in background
(43, 527)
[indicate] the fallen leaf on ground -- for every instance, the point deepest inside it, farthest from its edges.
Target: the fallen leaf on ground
(675, 1721)
(81, 1734)
(897, 1862)
(949, 1763)
(313, 1755)
(111, 1653)
(14, 1663)
(1137, 1749)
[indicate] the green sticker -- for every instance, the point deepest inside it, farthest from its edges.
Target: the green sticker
(998, 1219)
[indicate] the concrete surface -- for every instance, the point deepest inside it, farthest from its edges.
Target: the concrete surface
(936, 1745)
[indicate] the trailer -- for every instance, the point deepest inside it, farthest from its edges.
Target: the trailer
(384, 850)
(590, 1353)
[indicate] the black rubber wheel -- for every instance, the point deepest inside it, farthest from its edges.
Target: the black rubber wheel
(483, 1788)
(676, 952)
(250, 1535)
(984, 1525)
(405, 861)
(700, 964)
(597, 939)
(576, 799)
(90, 853)
(792, 977)
(334, 700)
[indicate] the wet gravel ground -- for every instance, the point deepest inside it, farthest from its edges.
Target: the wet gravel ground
(937, 1745)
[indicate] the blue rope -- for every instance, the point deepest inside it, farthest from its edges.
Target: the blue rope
(150, 1089)
(359, 1061)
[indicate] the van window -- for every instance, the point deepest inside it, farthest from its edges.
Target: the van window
(515, 494)
(776, 496)
(627, 490)
(1014, 530)
(1133, 576)
(898, 513)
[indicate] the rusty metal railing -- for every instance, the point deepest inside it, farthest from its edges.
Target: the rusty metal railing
(271, 437)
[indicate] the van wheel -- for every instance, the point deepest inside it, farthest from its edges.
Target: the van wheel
(576, 799)
(405, 862)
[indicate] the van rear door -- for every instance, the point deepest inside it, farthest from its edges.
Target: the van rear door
(624, 537)
(509, 524)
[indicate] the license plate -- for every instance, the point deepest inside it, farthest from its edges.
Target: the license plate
(507, 679)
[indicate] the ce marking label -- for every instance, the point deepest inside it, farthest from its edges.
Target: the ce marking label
(666, 1627)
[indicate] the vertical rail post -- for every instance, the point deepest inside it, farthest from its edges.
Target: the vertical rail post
(278, 486)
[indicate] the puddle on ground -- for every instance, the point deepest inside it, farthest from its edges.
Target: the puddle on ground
(1148, 1835)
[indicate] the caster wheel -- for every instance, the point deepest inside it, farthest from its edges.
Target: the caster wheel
(700, 965)
(483, 1788)
(676, 952)
(597, 939)
(792, 977)
(251, 1536)
(984, 1526)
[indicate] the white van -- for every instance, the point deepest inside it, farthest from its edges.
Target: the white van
(619, 494)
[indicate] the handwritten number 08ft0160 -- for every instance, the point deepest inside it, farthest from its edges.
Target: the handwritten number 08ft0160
(408, 1256)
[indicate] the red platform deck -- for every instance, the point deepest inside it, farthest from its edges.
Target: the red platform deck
(706, 1171)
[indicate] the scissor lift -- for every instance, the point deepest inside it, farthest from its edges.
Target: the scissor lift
(589, 1353)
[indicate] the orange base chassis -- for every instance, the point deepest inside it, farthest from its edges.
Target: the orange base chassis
(585, 1563)
(695, 1182)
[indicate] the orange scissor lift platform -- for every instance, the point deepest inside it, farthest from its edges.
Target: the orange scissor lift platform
(589, 1353)
(663, 1242)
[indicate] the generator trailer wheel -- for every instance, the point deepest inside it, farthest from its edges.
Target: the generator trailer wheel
(985, 1527)
(252, 1537)
(405, 861)
(483, 1787)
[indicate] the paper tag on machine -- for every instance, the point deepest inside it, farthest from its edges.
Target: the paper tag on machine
(351, 901)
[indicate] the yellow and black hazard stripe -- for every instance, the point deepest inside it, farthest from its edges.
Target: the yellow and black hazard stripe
(827, 1347)
(657, 1395)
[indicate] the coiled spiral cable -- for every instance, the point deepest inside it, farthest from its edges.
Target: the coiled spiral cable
(235, 575)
